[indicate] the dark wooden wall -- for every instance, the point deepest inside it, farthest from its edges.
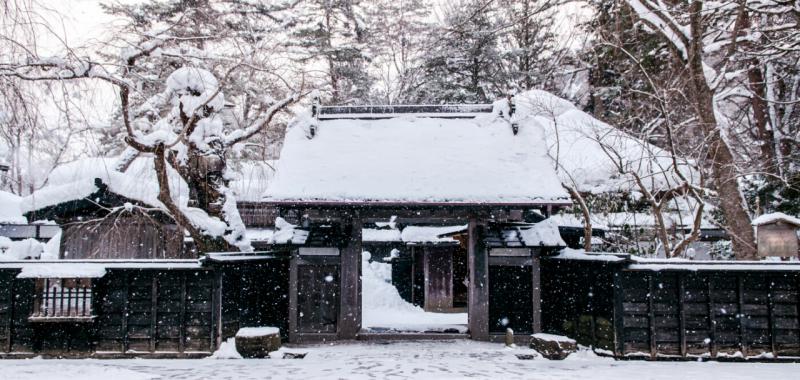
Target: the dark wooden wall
(716, 313)
(577, 300)
(122, 238)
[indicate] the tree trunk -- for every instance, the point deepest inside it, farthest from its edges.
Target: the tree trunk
(724, 171)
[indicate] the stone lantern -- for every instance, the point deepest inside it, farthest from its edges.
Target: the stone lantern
(776, 235)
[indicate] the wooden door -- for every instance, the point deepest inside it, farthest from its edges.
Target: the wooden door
(439, 279)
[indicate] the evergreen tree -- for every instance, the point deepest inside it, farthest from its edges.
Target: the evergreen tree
(463, 63)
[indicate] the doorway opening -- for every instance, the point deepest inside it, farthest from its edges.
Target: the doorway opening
(418, 285)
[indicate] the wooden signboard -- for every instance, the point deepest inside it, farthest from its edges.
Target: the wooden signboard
(777, 240)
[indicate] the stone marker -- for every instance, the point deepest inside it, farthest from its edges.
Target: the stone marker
(553, 347)
(257, 342)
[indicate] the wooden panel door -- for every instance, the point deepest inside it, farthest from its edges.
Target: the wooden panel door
(438, 279)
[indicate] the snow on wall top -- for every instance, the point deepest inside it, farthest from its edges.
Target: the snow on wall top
(775, 217)
(10, 210)
(415, 159)
(575, 141)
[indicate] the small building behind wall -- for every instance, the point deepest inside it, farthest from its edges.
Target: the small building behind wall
(470, 167)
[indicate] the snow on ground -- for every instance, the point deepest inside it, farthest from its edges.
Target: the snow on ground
(397, 360)
(384, 309)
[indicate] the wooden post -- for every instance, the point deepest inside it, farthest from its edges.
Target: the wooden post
(536, 292)
(293, 298)
(652, 315)
(712, 320)
(350, 311)
(771, 318)
(681, 315)
(10, 316)
(619, 315)
(182, 317)
(478, 282)
(154, 313)
(125, 312)
(742, 328)
(216, 309)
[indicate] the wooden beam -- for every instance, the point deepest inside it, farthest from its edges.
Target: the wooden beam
(350, 270)
(293, 298)
(478, 282)
(536, 292)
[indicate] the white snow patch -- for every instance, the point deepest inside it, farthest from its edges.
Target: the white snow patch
(28, 249)
(554, 338)
(543, 233)
(62, 270)
(252, 332)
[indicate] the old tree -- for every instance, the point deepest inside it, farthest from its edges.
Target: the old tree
(177, 93)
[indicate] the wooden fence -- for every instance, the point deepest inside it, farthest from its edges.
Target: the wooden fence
(716, 313)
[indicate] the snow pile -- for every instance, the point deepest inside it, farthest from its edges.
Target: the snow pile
(28, 249)
(775, 217)
(576, 141)
(415, 159)
(383, 308)
(287, 233)
(544, 233)
(226, 350)
(10, 209)
(553, 338)
(579, 254)
(431, 234)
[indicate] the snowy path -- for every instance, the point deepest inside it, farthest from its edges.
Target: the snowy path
(406, 360)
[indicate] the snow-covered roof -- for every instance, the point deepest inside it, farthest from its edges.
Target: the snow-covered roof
(381, 235)
(544, 233)
(575, 141)
(413, 159)
(10, 211)
(616, 220)
(776, 217)
(431, 234)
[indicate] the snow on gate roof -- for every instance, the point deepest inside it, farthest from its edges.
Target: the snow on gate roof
(412, 159)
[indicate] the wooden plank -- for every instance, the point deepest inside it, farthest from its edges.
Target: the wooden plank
(681, 314)
(293, 298)
(349, 323)
(478, 282)
(651, 316)
(712, 320)
(536, 293)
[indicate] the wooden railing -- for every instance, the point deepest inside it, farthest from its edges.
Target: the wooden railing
(56, 301)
